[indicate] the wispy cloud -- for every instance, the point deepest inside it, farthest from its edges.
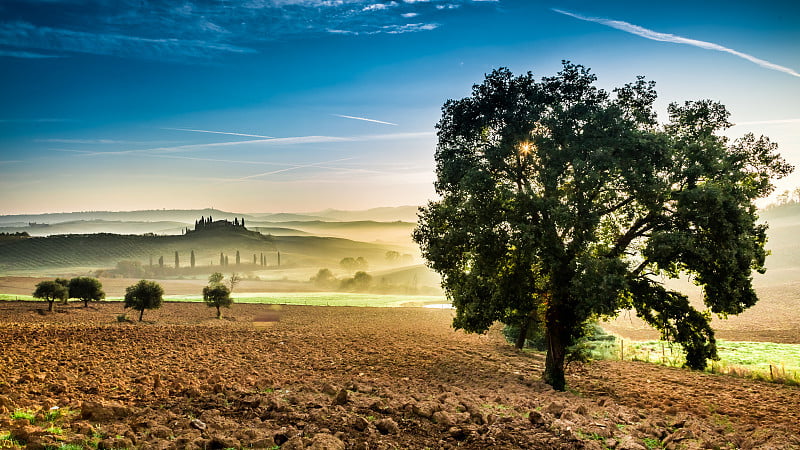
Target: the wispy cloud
(294, 140)
(220, 132)
(103, 43)
(165, 29)
(26, 55)
(101, 142)
(364, 119)
(293, 167)
(666, 37)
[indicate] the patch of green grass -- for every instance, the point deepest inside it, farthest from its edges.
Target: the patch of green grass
(652, 443)
(7, 440)
(14, 297)
(590, 436)
(766, 361)
(321, 299)
(30, 416)
(70, 447)
(55, 430)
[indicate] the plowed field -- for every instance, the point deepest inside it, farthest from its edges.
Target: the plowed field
(362, 378)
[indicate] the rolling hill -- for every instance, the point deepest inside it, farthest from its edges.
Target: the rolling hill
(105, 250)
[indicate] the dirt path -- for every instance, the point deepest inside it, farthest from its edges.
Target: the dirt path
(366, 378)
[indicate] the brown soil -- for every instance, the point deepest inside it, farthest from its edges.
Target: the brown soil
(366, 378)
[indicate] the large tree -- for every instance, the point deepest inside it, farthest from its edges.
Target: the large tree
(144, 295)
(86, 289)
(560, 203)
(51, 291)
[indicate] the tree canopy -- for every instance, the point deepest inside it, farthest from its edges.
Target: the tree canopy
(144, 295)
(51, 291)
(86, 289)
(561, 202)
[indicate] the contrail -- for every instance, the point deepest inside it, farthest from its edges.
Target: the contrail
(294, 167)
(220, 132)
(364, 119)
(665, 37)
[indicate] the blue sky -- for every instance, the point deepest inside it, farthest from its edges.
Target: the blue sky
(260, 105)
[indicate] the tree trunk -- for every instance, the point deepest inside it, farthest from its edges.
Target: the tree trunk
(50, 308)
(554, 362)
(523, 332)
(219, 313)
(141, 314)
(86, 303)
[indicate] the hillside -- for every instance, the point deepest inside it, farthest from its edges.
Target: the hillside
(98, 226)
(105, 250)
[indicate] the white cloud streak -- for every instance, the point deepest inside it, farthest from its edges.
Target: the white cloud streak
(293, 167)
(665, 37)
(220, 132)
(364, 119)
(26, 55)
(58, 39)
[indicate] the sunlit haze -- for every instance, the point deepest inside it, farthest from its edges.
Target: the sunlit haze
(303, 105)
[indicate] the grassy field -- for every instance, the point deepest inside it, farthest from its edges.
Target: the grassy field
(758, 360)
(323, 299)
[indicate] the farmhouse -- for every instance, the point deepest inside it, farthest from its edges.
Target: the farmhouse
(208, 223)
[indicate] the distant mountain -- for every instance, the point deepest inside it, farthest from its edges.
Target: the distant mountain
(383, 214)
(188, 216)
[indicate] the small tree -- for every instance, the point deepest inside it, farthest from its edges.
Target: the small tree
(191, 259)
(177, 260)
(324, 279)
(51, 291)
(144, 295)
(392, 256)
(86, 289)
(64, 282)
(221, 259)
(215, 278)
(238, 259)
(233, 280)
(161, 262)
(217, 295)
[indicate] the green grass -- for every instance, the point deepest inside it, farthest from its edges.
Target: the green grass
(765, 361)
(7, 440)
(13, 297)
(322, 299)
(30, 416)
(652, 443)
(300, 298)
